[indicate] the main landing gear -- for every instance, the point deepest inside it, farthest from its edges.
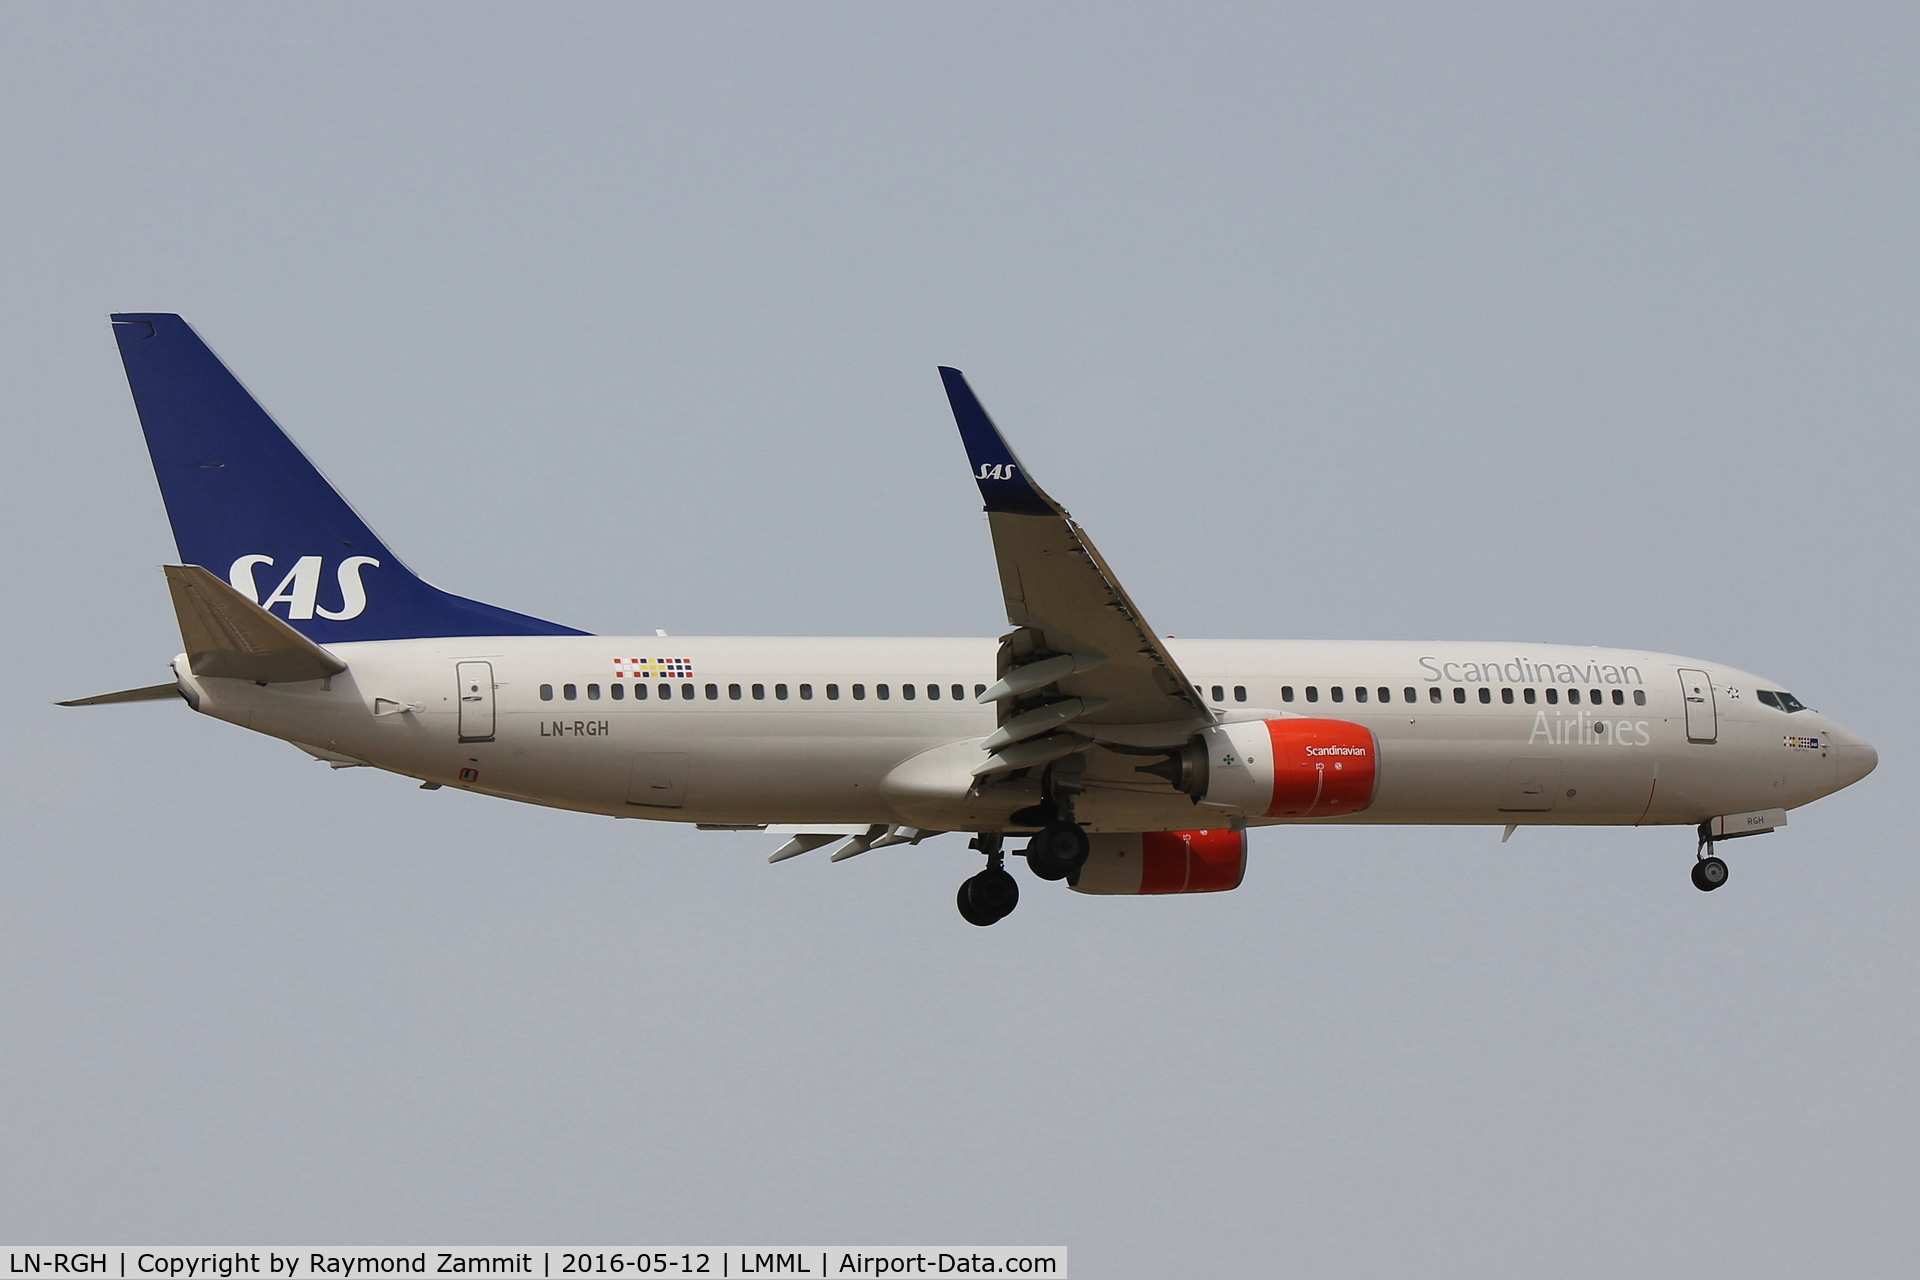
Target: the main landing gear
(1057, 852)
(990, 896)
(1059, 849)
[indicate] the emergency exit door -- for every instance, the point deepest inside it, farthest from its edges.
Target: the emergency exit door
(476, 701)
(1703, 717)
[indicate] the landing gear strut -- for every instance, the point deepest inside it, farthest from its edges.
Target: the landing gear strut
(1709, 872)
(990, 896)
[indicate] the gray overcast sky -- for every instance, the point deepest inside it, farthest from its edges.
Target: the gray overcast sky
(1567, 322)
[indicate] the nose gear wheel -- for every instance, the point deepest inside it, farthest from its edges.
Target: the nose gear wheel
(1709, 873)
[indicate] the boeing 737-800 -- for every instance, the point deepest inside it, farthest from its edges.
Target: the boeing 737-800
(1125, 762)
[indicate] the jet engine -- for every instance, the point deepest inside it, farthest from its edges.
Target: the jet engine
(1164, 862)
(1295, 768)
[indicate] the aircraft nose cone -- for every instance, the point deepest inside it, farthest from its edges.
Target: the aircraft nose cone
(1853, 760)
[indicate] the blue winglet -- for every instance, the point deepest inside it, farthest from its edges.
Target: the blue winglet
(247, 505)
(1003, 481)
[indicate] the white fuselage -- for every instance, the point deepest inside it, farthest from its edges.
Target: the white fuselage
(858, 731)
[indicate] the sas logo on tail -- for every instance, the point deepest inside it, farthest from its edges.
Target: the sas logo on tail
(996, 471)
(299, 590)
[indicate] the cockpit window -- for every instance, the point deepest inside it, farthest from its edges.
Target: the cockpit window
(1781, 699)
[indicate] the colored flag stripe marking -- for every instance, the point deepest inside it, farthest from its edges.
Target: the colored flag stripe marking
(652, 668)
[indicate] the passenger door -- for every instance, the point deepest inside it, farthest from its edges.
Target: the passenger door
(1703, 717)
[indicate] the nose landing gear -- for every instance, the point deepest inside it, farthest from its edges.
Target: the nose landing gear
(1709, 872)
(990, 896)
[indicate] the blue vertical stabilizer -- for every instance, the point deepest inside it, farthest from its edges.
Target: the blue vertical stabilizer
(247, 505)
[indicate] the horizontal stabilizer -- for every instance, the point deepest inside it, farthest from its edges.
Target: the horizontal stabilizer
(228, 635)
(152, 693)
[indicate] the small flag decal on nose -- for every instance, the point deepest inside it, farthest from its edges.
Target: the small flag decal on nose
(653, 668)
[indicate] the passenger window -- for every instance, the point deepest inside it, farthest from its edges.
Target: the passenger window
(1412, 694)
(1528, 695)
(639, 693)
(593, 692)
(979, 689)
(1486, 695)
(1619, 698)
(1573, 697)
(959, 693)
(1553, 697)
(859, 693)
(616, 691)
(1313, 693)
(833, 692)
(933, 693)
(1433, 693)
(1593, 696)
(686, 693)
(780, 692)
(546, 693)
(1506, 695)
(1219, 694)
(1338, 694)
(1359, 693)
(733, 691)
(1239, 693)
(1459, 695)
(1286, 693)
(570, 691)
(882, 692)
(713, 692)
(1639, 697)
(806, 693)
(759, 693)
(907, 691)
(1386, 694)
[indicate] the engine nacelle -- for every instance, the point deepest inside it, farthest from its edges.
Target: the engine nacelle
(1164, 862)
(1279, 768)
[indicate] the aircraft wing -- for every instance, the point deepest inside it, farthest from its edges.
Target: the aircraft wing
(1075, 629)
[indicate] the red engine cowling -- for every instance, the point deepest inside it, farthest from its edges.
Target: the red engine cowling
(1164, 862)
(1300, 768)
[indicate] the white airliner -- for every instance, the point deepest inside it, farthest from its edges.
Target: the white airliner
(1129, 763)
